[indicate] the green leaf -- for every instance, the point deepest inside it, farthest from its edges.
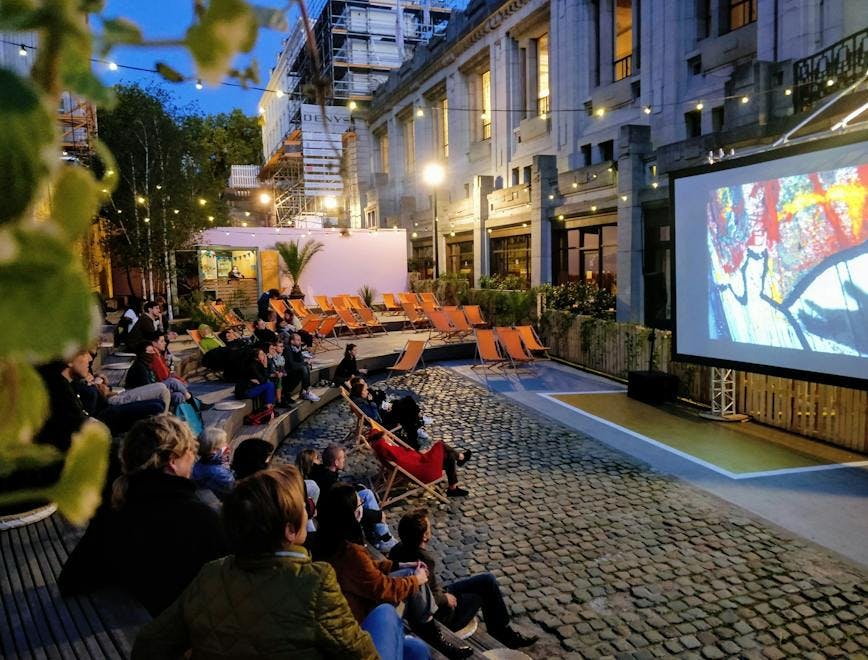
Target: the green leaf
(24, 404)
(28, 128)
(75, 200)
(268, 17)
(119, 31)
(169, 73)
(14, 458)
(224, 28)
(40, 274)
(79, 490)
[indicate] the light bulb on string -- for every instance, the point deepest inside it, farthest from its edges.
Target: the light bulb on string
(199, 84)
(22, 50)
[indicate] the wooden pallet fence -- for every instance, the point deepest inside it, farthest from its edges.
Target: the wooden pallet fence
(837, 415)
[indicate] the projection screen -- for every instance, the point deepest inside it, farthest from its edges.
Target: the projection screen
(771, 264)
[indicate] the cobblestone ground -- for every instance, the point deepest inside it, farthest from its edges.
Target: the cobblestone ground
(608, 558)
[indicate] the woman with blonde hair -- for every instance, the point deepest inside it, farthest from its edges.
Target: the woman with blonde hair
(268, 599)
(157, 533)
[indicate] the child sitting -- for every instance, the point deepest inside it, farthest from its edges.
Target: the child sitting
(276, 372)
(211, 470)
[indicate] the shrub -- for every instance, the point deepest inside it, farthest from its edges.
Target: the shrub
(367, 293)
(579, 298)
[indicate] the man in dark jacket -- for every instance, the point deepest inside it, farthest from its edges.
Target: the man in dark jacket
(147, 324)
(263, 305)
(297, 370)
(459, 602)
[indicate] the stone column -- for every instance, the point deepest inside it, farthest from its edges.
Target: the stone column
(543, 176)
(482, 186)
(635, 142)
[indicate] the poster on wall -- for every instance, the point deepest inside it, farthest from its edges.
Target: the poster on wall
(207, 265)
(224, 265)
(322, 148)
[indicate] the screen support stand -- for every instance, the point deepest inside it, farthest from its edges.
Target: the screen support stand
(723, 397)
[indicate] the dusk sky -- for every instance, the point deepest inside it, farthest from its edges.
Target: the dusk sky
(168, 19)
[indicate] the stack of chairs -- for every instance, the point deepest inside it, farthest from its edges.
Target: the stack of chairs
(507, 347)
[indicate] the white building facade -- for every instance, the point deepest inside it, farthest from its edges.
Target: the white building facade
(557, 123)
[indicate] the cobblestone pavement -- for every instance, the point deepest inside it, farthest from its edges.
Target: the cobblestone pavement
(608, 558)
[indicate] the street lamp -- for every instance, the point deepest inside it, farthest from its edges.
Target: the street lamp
(433, 175)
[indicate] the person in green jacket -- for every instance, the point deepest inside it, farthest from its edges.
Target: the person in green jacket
(267, 600)
(209, 339)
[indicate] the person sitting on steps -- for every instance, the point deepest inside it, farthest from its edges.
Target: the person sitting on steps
(297, 370)
(348, 368)
(459, 601)
(211, 471)
(253, 382)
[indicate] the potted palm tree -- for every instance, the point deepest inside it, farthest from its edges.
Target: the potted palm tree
(297, 258)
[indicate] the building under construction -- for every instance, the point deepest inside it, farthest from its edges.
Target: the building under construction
(356, 43)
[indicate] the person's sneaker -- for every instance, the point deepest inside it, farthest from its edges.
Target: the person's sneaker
(457, 491)
(422, 435)
(385, 545)
(467, 454)
(513, 639)
(309, 396)
(307, 355)
(427, 421)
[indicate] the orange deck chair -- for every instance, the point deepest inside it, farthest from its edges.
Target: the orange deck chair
(350, 321)
(340, 302)
(311, 323)
(196, 336)
(414, 319)
(225, 314)
(299, 308)
(363, 422)
(324, 305)
(356, 302)
(278, 306)
(456, 316)
(391, 305)
(409, 298)
(326, 334)
(441, 325)
(511, 342)
(474, 316)
(487, 351)
(531, 340)
(409, 358)
(428, 297)
(369, 319)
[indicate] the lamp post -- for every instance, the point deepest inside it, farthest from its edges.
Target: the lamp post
(433, 175)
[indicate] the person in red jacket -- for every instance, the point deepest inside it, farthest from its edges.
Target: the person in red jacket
(425, 466)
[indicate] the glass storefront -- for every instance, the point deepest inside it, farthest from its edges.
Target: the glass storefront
(459, 259)
(510, 255)
(589, 254)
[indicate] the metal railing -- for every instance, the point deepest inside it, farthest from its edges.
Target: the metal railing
(623, 67)
(829, 70)
(544, 105)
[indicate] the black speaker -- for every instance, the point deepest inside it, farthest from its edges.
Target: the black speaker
(654, 387)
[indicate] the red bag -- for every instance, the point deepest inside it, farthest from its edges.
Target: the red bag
(259, 418)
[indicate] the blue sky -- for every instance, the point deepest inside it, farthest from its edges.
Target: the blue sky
(168, 19)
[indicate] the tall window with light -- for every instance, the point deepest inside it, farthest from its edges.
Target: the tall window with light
(623, 39)
(443, 129)
(543, 98)
(409, 147)
(485, 97)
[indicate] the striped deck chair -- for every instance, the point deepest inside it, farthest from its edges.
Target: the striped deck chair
(278, 306)
(351, 323)
(326, 334)
(324, 305)
(487, 351)
(428, 297)
(408, 298)
(510, 340)
(531, 340)
(456, 316)
(474, 316)
(369, 319)
(392, 306)
(298, 308)
(441, 325)
(414, 319)
(409, 358)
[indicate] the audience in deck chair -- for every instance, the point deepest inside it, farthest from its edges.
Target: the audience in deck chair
(297, 370)
(404, 412)
(158, 532)
(427, 466)
(368, 584)
(211, 470)
(74, 394)
(327, 473)
(268, 599)
(348, 367)
(291, 323)
(263, 333)
(208, 340)
(458, 602)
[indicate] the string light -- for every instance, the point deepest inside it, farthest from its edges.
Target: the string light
(593, 209)
(202, 201)
(647, 109)
(745, 99)
(199, 85)
(279, 93)
(788, 92)
(352, 105)
(699, 105)
(600, 112)
(420, 112)
(113, 66)
(175, 211)
(22, 50)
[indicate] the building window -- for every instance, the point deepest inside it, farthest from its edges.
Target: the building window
(717, 119)
(383, 147)
(607, 150)
(409, 147)
(586, 154)
(510, 255)
(703, 19)
(542, 58)
(442, 129)
(657, 268)
(693, 123)
(422, 261)
(371, 218)
(590, 255)
(623, 39)
(741, 13)
(485, 97)
(459, 259)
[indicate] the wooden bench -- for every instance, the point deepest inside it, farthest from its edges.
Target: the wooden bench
(36, 621)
